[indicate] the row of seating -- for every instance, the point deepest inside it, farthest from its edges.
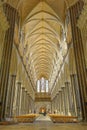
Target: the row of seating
(29, 118)
(63, 119)
(6, 123)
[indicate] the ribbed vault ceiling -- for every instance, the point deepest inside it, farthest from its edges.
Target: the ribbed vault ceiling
(43, 36)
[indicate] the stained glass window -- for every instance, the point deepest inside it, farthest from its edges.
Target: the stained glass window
(46, 85)
(42, 85)
(38, 86)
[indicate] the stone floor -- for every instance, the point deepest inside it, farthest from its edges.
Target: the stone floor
(44, 123)
(45, 126)
(43, 118)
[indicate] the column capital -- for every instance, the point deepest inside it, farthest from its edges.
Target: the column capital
(57, 93)
(18, 82)
(29, 95)
(23, 88)
(60, 90)
(72, 74)
(13, 75)
(26, 91)
(63, 88)
(67, 82)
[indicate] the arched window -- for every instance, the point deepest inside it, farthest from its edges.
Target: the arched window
(42, 85)
(47, 89)
(38, 86)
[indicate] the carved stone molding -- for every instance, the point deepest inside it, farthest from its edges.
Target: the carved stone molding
(83, 17)
(4, 25)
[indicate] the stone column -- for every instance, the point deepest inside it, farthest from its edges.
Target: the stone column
(3, 27)
(75, 11)
(63, 101)
(10, 96)
(74, 108)
(30, 109)
(52, 106)
(56, 104)
(32, 103)
(18, 98)
(66, 97)
(28, 103)
(76, 96)
(67, 85)
(25, 101)
(11, 14)
(40, 86)
(22, 101)
(60, 102)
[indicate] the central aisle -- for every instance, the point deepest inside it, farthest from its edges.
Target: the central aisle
(43, 118)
